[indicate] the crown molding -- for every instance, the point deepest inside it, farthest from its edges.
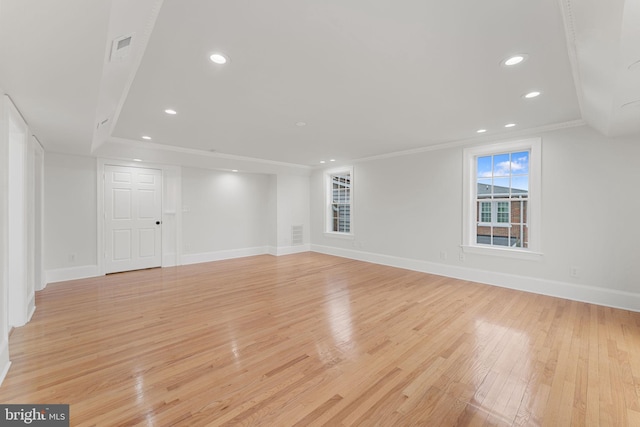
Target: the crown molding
(201, 153)
(476, 140)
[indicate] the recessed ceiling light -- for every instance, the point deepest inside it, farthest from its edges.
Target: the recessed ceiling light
(218, 58)
(234, 170)
(322, 162)
(332, 160)
(170, 111)
(510, 125)
(146, 137)
(532, 94)
(481, 131)
(300, 124)
(137, 160)
(514, 60)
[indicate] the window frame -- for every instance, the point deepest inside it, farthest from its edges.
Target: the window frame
(534, 209)
(328, 177)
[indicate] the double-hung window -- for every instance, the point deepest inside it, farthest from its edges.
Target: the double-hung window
(339, 198)
(502, 199)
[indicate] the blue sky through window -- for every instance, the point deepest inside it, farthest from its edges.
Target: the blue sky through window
(502, 169)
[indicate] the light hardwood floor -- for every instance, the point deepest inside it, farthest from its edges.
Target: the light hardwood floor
(310, 339)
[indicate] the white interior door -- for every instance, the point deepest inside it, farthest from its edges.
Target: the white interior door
(133, 213)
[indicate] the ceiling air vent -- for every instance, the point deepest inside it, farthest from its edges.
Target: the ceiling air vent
(121, 47)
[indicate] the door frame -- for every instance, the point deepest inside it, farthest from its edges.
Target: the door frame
(171, 202)
(36, 227)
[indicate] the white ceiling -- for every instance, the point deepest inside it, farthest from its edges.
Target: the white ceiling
(367, 77)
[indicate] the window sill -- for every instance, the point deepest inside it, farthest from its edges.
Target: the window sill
(348, 236)
(506, 253)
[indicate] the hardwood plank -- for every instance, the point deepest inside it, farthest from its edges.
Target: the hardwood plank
(311, 339)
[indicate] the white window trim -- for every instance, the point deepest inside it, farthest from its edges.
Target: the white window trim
(328, 216)
(469, 173)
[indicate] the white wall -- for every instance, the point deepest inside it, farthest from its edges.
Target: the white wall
(292, 210)
(70, 243)
(4, 205)
(208, 214)
(224, 214)
(271, 211)
(18, 219)
(20, 212)
(171, 216)
(408, 210)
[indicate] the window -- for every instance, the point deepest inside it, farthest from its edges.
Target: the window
(502, 184)
(339, 201)
(502, 199)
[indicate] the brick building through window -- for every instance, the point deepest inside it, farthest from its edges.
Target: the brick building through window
(501, 214)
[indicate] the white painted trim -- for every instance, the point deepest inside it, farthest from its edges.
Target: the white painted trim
(583, 293)
(334, 234)
(169, 259)
(202, 153)
(570, 33)
(17, 217)
(31, 307)
(328, 195)
(469, 174)
(488, 137)
(288, 250)
(166, 170)
(12, 105)
(40, 248)
(221, 255)
(72, 273)
(503, 252)
(5, 363)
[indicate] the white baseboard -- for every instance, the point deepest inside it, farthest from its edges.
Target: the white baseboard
(169, 259)
(72, 273)
(220, 255)
(288, 250)
(583, 293)
(5, 363)
(32, 308)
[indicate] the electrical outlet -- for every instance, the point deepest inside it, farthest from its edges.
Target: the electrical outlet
(443, 255)
(574, 271)
(461, 257)
(72, 257)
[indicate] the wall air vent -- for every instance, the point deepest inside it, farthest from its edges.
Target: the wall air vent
(121, 47)
(296, 235)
